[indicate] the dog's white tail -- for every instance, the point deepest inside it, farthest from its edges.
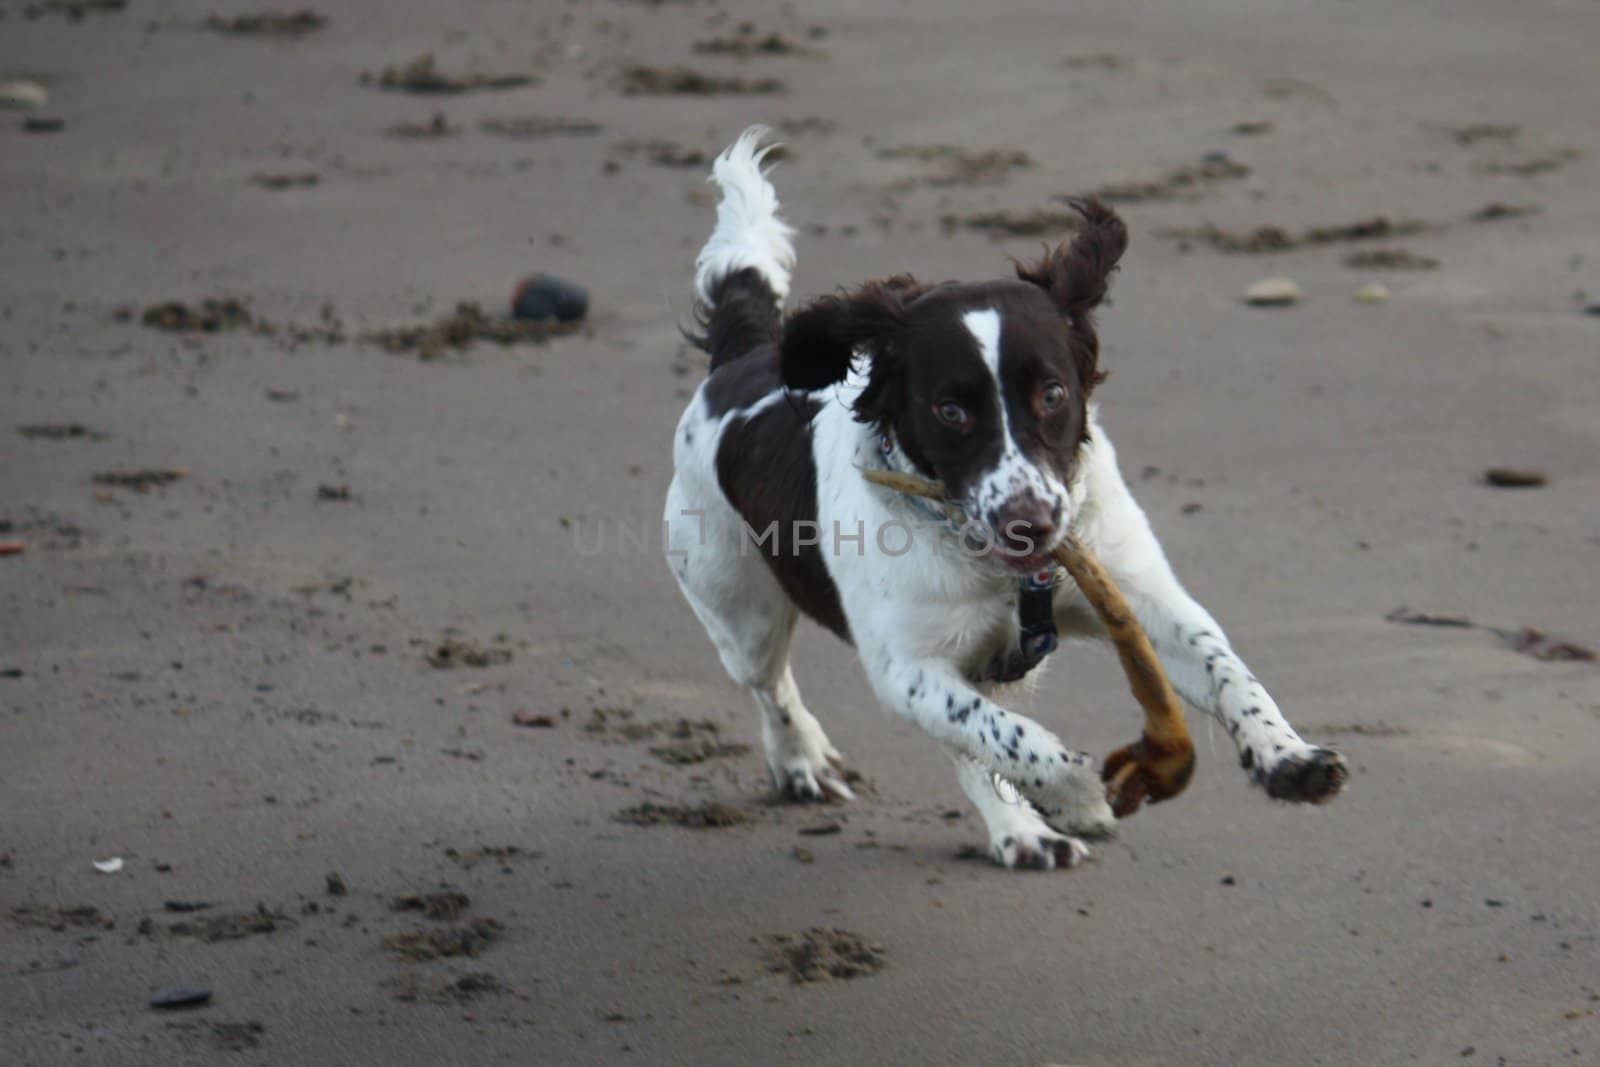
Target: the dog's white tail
(749, 233)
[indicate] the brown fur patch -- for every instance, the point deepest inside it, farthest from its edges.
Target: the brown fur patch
(1077, 274)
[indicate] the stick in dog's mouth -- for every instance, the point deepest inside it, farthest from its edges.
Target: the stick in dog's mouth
(1159, 765)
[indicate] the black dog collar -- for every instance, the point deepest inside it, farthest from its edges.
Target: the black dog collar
(1036, 621)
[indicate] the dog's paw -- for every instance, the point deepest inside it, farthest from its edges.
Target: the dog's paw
(1018, 836)
(805, 766)
(1040, 849)
(1075, 803)
(805, 781)
(1314, 776)
(1092, 818)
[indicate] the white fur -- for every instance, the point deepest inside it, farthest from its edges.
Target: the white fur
(749, 232)
(984, 326)
(1014, 476)
(1018, 837)
(928, 619)
(924, 613)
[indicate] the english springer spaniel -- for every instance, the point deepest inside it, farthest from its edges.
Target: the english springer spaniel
(984, 387)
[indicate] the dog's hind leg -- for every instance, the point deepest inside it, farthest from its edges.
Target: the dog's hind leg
(751, 621)
(805, 766)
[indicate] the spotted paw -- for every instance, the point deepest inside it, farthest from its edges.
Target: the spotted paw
(1075, 803)
(1039, 850)
(1312, 777)
(1018, 833)
(1094, 819)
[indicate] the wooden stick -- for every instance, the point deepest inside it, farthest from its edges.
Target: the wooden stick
(1159, 765)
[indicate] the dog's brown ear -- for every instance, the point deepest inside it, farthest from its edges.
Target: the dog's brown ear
(821, 340)
(1076, 275)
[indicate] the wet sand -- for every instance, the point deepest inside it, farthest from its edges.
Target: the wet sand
(284, 681)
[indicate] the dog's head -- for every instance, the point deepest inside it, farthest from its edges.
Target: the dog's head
(984, 387)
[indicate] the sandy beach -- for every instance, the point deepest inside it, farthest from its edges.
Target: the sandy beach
(352, 641)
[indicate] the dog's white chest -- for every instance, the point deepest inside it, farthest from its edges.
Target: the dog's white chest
(972, 634)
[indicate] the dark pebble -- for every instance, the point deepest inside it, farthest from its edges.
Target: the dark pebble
(186, 905)
(180, 996)
(335, 885)
(1592, 309)
(544, 296)
(1514, 477)
(42, 124)
(1228, 879)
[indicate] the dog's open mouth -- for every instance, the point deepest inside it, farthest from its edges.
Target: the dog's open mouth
(1020, 560)
(1018, 553)
(1024, 554)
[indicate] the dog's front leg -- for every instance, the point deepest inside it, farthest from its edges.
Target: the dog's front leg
(1206, 672)
(1062, 784)
(1195, 653)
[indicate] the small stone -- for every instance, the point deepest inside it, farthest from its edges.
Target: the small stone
(186, 905)
(334, 885)
(544, 296)
(1372, 293)
(41, 124)
(1272, 292)
(1389, 259)
(1514, 477)
(180, 996)
(444, 904)
(1592, 309)
(1229, 879)
(22, 96)
(1499, 209)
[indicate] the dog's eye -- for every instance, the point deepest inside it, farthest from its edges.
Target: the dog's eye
(952, 414)
(1051, 397)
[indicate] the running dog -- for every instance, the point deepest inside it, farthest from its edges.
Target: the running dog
(984, 387)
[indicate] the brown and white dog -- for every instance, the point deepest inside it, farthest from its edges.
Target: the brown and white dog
(984, 387)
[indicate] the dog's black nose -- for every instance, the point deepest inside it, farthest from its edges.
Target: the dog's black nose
(1025, 527)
